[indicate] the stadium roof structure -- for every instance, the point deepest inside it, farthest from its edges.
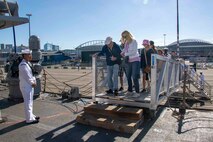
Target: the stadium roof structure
(191, 42)
(93, 45)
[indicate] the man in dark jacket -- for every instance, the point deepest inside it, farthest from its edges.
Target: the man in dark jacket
(113, 58)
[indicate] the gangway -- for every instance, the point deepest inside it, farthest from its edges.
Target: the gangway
(122, 112)
(166, 78)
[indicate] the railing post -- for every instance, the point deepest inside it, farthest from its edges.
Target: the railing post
(166, 74)
(177, 81)
(154, 95)
(94, 77)
(45, 80)
(210, 92)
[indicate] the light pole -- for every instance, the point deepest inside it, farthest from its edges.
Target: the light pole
(29, 23)
(164, 35)
(178, 45)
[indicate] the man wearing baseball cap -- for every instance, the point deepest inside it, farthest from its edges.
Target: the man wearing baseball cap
(27, 83)
(113, 58)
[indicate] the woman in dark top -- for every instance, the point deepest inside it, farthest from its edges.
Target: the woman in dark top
(146, 62)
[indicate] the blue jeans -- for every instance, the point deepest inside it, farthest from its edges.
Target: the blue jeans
(133, 72)
(112, 71)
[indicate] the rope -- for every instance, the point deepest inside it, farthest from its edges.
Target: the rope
(65, 82)
(55, 85)
(86, 85)
(78, 77)
(53, 77)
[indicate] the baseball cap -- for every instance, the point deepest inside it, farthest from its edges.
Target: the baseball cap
(108, 40)
(145, 42)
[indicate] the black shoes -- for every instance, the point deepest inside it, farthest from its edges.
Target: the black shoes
(109, 91)
(37, 117)
(144, 90)
(116, 92)
(121, 89)
(33, 122)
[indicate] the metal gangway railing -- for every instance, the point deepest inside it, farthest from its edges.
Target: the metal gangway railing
(201, 85)
(166, 78)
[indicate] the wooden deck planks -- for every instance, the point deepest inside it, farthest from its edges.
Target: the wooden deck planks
(118, 118)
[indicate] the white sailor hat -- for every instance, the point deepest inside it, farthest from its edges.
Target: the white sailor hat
(26, 51)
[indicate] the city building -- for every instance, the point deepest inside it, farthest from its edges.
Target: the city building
(6, 48)
(2, 46)
(21, 47)
(51, 47)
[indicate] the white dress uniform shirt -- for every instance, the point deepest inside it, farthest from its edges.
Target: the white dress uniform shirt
(27, 79)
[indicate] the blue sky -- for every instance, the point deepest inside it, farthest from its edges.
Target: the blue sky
(69, 23)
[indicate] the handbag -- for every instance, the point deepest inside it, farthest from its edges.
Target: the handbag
(126, 59)
(147, 68)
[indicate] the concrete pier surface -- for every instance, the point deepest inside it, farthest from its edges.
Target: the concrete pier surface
(57, 123)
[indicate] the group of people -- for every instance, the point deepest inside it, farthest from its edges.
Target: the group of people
(125, 58)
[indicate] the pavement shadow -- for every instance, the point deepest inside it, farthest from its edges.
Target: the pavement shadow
(210, 128)
(147, 125)
(13, 127)
(194, 120)
(81, 133)
(6, 103)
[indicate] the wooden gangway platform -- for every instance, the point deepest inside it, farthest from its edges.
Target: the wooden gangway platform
(112, 117)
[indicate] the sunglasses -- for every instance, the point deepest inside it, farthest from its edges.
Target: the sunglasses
(124, 36)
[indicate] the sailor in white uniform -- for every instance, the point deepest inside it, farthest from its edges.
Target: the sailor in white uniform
(27, 84)
(201, 80)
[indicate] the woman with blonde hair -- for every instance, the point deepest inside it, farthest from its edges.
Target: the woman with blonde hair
(131, 55)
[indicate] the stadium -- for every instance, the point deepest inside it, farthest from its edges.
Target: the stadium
(194, 50)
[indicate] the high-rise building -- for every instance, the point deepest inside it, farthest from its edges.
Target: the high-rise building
(50, 47)
(9, 46)
(55, 48)
(6, 47)
(2, 46)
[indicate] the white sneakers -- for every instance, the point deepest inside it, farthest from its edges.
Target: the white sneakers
(132, 95)
(135, 95)
(128, 94)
